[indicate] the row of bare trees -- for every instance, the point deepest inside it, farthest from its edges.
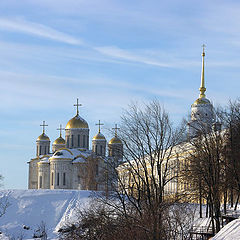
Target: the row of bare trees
(138, 203)
(213, 164)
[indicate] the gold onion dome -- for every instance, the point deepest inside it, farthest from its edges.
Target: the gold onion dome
(76, 122)
(59, 140)
(99, 136)
(43, 137)
(115, 140)
(201, 101)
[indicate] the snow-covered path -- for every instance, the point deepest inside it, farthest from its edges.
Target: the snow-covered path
(30, 207)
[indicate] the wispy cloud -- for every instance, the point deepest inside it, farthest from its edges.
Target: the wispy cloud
(119, 53)
(20, 25)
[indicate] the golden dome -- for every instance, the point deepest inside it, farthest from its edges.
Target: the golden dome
(77, 122)
(115, 140)
(201, 101)
(43, 137)
(59, 140)
(99, 136)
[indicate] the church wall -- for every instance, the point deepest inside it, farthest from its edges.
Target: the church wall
(72, 139)
(99, 147)
(33, 174)
(43, 175)
(43, 147)
(61, 174)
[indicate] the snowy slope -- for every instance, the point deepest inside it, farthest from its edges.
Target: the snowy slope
(230, 232)
(30, 207)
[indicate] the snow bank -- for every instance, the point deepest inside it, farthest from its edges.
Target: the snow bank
(29, 207)
(230, 232)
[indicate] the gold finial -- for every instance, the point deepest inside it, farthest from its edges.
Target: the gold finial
(99, 125)
(43, 125)
(77, 105)
(60, 129)
(116, 128)
(202, 88)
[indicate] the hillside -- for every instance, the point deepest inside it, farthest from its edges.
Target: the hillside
(30, 207)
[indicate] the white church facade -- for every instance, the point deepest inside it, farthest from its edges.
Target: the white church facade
(70, 164)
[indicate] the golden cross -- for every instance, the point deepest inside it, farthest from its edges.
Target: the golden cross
(77, 105)
(99, 124)
(116, 128)
(43, 125)
(60, 129)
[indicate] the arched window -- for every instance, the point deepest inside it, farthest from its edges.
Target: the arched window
(40, 150)
(45, 150)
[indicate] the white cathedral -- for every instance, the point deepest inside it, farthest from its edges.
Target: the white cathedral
(67, 165)
(71, 164)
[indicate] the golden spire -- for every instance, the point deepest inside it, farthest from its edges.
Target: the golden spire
(202, 88)
(60, 129)
(77, 105)
(43, 125)
(99, 125)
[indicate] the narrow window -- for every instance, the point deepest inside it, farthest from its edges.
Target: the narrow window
(72, 140)
(67, 141)
(84, 141)
(96, 169)
(58, 179)
(45, 150)
(96, 149)
(101, 150)
(52, 178)
(40, 182)
(40, 151)
(64, 178)
(78, 140)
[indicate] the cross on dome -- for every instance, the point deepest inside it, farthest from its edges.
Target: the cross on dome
(77, 105)
(43, 125)
(99, 124)
(60, 129)
(115, 129)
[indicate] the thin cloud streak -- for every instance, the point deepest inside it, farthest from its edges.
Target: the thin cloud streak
(17, 25)
(126, 55)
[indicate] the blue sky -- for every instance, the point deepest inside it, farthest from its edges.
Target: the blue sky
(107, 53)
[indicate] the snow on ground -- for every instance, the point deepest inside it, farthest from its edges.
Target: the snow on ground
(30, 207)
(230, 232)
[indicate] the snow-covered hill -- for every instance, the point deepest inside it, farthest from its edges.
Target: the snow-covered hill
(30, 207)
(230, 232)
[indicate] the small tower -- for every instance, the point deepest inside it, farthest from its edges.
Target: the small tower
(59, 142)
(43, 142)
(115, 146)
(77, 132)
(202, 112)
(99, 142)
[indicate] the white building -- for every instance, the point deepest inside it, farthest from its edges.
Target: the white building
(71, 164)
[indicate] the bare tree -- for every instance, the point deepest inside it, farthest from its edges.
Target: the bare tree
(205, 170)
(148, 168)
